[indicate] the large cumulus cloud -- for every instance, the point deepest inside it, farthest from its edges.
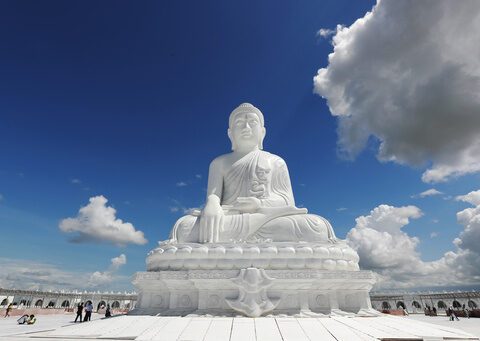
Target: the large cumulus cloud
(389, 251)
(408, 74)
(97, 222)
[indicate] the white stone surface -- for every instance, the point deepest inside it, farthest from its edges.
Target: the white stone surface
(260, 329)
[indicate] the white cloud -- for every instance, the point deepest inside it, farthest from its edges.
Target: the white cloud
(96, 222)
(408, 74)
(379, 240)
(174, 209)
(435, 221)
(32, 275)
(470, 218)
(433, 234)
(384, 248)
(198, 176)
(76, 181)
(181, 184)
(427, 193)
(98, 278)
(117, 262)
(326, 32)
(341, 209)
(472, 198)
(192, 210)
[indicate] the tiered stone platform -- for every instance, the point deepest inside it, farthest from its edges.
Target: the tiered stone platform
(303, 279)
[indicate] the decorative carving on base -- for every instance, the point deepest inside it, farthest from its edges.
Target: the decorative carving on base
(253, 300)
(254, 292)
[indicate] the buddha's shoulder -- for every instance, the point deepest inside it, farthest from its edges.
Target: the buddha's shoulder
(221, 162)
(277, 160)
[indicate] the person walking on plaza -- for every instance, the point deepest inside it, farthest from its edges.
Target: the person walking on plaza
(9, 309)
(88, 312)
(79, 312)
(453, 316)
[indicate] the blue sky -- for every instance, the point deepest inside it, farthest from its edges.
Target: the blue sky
(130, 100)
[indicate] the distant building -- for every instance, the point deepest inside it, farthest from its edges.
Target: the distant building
(416, 303)
(413, 303)
(23, 299)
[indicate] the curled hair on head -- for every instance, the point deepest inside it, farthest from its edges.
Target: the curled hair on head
(243, 109)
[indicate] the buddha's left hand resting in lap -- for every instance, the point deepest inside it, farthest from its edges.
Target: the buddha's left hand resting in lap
(249, 195)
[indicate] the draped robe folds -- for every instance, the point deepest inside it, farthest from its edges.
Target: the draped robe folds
(264, 176)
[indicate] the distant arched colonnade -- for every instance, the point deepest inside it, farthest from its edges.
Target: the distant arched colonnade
(417, 303)
(23, 299)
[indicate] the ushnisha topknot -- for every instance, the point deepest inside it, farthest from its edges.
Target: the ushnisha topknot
(246, 108)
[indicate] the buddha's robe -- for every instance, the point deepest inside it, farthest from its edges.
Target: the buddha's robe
(264, 176)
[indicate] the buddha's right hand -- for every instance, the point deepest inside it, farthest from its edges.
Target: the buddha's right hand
(211, 220)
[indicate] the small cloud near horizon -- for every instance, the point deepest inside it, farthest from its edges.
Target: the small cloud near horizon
(181, 184)
(76, 181)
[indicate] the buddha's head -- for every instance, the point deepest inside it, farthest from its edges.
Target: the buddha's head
(246, 127)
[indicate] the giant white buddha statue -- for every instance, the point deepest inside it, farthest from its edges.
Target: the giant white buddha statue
(251, 250)
(249, 195)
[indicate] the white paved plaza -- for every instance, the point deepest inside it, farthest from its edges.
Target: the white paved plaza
(58, 327)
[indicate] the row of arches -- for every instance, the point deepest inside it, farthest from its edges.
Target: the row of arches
(440, 304)
(65, 304)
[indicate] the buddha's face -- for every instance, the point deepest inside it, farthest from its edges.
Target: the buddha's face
(246, 131)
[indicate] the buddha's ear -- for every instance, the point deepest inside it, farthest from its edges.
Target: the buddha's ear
(229, 133)
(260, 144)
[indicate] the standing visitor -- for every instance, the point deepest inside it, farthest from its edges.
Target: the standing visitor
(107, 312)
(79, 312)
(465, 310)
(88, 312)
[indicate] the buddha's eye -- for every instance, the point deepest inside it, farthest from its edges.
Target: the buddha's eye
(252, 122)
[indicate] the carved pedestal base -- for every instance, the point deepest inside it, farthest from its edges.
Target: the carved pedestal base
(254, 292)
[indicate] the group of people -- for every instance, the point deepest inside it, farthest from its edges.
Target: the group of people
(27, 319)
(430, 311)
(88, 312)
(453, 315)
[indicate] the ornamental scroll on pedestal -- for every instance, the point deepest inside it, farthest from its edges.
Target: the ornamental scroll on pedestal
(253, 300)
